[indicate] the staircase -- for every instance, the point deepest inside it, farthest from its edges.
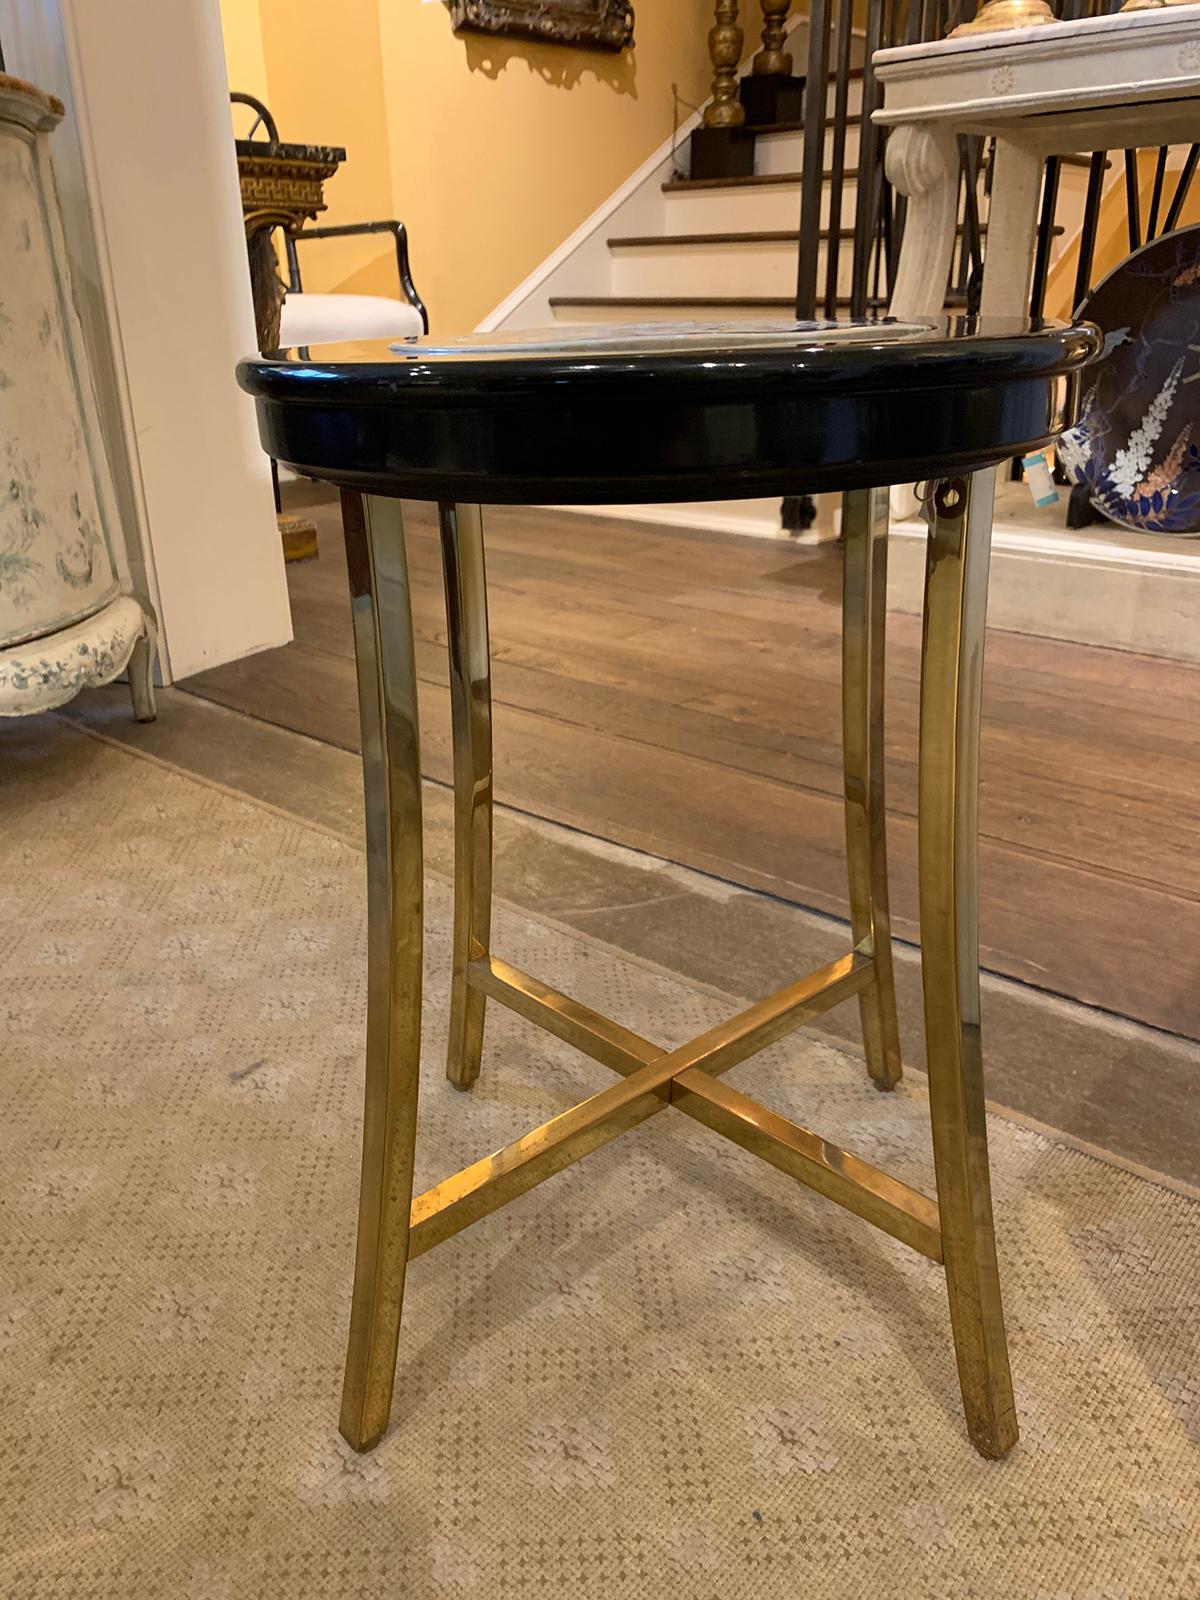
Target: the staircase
(718, 247)
(671, 247)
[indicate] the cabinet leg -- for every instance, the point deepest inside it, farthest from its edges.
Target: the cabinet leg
(141, 675)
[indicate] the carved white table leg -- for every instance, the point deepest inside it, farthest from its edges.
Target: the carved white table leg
(922, 163)
(1012, 227)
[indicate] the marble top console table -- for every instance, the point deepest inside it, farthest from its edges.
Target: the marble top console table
(283, 186)
(1102, 83)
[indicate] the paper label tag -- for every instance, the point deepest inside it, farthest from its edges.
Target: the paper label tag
(1039, 479)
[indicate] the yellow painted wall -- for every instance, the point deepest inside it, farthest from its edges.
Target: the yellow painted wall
(1112, 230)
(244, 57)
(491, 151)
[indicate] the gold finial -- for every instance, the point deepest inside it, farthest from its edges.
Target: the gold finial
(998, 16)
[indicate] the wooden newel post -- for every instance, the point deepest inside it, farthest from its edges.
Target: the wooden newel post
(773, 60)
(725, 52)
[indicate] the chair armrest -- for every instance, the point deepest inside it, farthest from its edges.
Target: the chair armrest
(346, 230)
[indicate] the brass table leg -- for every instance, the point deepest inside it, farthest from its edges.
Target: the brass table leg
(471, 717)
(951, 683)
(299, 537)
(387, 693)
(393, 1225)
(864, 619)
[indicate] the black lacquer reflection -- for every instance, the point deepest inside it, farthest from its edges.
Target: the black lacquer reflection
(674, 412)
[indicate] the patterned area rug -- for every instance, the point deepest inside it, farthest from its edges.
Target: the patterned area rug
(666, 1373)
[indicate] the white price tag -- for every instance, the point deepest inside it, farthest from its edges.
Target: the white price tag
(1040, 479)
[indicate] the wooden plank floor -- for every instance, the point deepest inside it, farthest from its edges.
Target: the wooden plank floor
(678, 692)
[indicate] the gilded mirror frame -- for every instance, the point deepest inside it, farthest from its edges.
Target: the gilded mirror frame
(600, 25)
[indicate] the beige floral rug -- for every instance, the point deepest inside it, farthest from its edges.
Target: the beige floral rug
(666, 1373)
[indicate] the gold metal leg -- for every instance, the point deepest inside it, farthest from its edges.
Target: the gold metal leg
(471, 715)
(387, 694)
(864, 618)
(394, 1225)
(951, 684)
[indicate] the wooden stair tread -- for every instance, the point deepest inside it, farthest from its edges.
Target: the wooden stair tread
(954, 301)
(764, 179)
(854, 121)
(760, 236)
(755, 180)
(672, 300)
(749, 236)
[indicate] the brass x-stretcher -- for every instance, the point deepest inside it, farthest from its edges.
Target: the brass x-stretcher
(687, 1078)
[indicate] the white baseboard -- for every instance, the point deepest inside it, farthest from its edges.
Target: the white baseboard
(1113, 589)
(1105, 587)
(751, 519)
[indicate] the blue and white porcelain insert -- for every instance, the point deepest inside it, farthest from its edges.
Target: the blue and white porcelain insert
(1136, 446)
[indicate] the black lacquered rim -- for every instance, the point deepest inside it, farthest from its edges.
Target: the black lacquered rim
(729, 415)
(717, 359)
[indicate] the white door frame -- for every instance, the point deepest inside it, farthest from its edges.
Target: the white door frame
(148, 179)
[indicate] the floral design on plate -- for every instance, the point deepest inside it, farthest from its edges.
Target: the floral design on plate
(1137, 443)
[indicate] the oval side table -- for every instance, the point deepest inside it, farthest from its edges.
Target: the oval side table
(707, 412)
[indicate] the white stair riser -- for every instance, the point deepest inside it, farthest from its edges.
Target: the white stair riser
(717, 269)
(757, 208)
(772, 207)
(784, 152)
(853, 97)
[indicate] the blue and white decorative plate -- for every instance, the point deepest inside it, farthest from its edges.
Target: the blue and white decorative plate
(1137, 444)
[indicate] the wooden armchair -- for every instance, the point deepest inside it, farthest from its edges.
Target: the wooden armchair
(306, 318)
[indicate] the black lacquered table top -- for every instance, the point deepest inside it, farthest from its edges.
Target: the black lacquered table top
(674, 411)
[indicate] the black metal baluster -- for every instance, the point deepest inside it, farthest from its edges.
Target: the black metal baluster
(891, 233)
(1181, 188)
(837, 157)
(870, 155)
(1132, 202)
(905, 29)
(1160, 172)
(814, 153)
(1045, 233)
(970, 254)
(1091, 222)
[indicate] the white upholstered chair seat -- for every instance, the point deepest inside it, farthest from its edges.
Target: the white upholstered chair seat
(334, 318)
